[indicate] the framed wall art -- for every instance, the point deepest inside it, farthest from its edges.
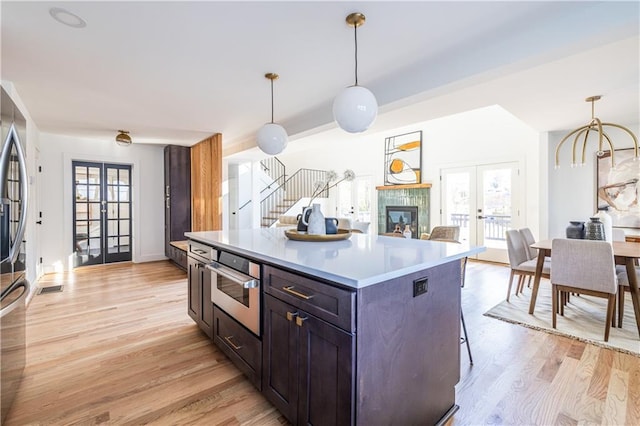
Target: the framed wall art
(619, 187)
(403, 159)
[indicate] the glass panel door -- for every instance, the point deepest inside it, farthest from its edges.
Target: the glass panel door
(480, 200)
(495, 208)
(101, 213)
(354, 199)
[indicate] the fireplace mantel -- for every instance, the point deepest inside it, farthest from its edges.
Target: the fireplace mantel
(407, 186)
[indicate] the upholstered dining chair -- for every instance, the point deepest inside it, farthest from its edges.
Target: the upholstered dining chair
(451, 232)
(618, 235)
(519, 261)
(623, 286)
(529, 239)
(586, 267)
(532, 253)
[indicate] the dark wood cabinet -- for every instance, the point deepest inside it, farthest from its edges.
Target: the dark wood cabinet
(329, 354)
(200, 308)
(307, 366)
(239, 344)
(177, 194)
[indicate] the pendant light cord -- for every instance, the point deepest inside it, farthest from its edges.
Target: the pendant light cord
(355, 38)
(272, 101)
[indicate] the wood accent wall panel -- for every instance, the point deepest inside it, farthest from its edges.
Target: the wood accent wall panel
(206, 184)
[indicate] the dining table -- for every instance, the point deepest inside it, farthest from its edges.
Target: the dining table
(624, 253)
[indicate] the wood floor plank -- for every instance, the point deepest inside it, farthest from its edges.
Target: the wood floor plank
(633, 392)
(578, 404)
(117, 347)
(615, 405)
(600, 379)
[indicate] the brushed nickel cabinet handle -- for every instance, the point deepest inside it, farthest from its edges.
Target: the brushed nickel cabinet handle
(290, 289)
(291, 315)
(300, 320)
(228, 339)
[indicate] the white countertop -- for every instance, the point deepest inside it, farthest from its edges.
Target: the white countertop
(360, 261)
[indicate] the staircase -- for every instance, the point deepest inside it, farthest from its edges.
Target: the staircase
(277, 211)
(300, 185)
(282, 193)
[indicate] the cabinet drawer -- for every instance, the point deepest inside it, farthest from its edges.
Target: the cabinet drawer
(181, 258)
(241, 346)
(332, 304)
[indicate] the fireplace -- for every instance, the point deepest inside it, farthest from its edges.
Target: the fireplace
(397, 217)
(397, 197)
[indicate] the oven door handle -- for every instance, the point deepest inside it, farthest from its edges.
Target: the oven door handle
(237, 277)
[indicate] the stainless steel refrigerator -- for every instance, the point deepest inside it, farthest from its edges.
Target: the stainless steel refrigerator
(14, 287)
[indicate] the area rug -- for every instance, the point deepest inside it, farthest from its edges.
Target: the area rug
(583, 319)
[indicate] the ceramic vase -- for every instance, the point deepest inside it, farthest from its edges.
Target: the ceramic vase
(302, 226)
(315, 223)
(575, 230)
(607, 222)
(594, 229)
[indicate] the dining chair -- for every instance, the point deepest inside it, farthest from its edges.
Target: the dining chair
(586, 267)
(465, 339)
(451, 232)
(445, 234)
(532, 253)
(618, 235)
(529, 239)
(623, 286)
(519, 261)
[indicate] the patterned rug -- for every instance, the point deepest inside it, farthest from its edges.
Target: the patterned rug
(583, 319)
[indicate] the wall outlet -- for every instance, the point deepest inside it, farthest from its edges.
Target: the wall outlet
(420, 286)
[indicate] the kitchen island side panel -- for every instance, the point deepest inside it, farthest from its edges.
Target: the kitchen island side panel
(408, 348)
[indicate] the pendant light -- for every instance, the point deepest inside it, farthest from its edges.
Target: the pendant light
(595, 126)
(123, 138)
(272, 138)
(355, 108)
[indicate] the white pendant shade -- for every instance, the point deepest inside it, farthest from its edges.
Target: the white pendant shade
(272, 138)
(355, 109)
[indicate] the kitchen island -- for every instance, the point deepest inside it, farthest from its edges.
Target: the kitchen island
(361, 331)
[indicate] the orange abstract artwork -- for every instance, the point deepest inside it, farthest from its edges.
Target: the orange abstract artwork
(403, 159)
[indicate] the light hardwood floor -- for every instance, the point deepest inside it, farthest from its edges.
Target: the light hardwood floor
(117, 347)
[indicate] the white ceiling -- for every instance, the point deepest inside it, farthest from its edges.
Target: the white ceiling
(177, 72)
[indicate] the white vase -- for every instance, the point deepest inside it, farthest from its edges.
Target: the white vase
(315, 223)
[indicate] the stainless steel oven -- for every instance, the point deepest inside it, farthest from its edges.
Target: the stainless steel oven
(235, 288)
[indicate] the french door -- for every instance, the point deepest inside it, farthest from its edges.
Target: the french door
(101, 213)
(482, 201)
(354, 199)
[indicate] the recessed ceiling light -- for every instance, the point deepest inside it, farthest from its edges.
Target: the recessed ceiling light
(67, 18)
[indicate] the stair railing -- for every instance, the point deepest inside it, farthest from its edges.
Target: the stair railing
(299, 185)
(275, 169)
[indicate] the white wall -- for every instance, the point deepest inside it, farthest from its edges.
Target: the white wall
(57, 153)
(482, 136)
(572, 191)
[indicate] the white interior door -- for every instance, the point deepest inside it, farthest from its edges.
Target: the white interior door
(481, 200)
(354, 199)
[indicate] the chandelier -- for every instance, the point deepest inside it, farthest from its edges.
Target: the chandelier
(596, 126)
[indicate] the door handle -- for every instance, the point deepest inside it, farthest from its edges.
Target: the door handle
(482, 217)
(290, 289)
(300, 320)
(39, 222)
(233, 345)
